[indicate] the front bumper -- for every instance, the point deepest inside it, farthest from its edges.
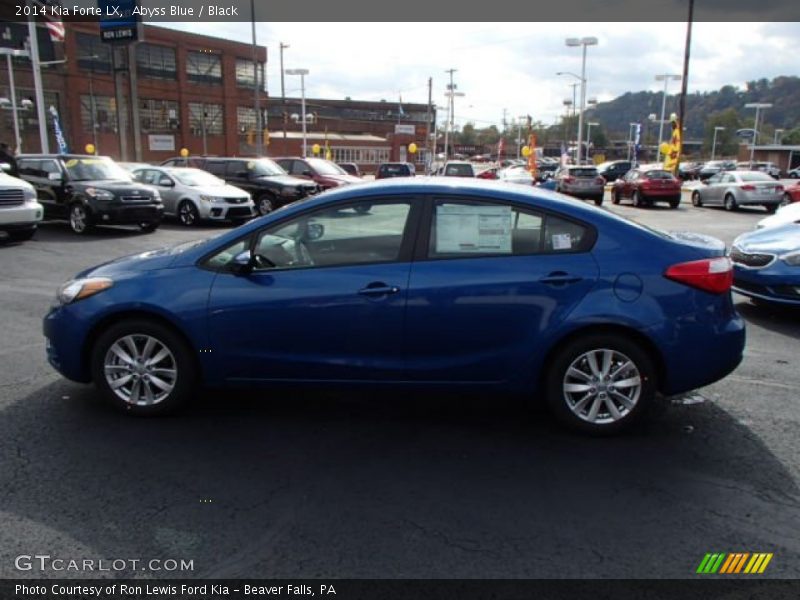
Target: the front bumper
(24, 216)
(132, 214)
(777, 283)
(228, 212)
(65, 335)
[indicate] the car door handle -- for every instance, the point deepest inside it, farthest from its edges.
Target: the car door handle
(378, 289)
(559, 278)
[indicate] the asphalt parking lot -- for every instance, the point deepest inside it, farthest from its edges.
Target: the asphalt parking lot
(376, 483)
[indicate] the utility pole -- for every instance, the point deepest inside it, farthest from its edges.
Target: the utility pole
(283, 98)
(684, 82)
(449, 122)
(257, 83)
(428, 128)
(37, 82)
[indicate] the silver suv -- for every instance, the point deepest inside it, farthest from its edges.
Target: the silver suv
(20, 213)
(581, 182)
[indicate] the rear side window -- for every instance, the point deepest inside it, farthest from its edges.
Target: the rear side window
(562, 235)
(216, 168)
(29, 167)
(394, 170)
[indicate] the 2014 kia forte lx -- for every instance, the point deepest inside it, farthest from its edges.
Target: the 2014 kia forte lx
(418, 282)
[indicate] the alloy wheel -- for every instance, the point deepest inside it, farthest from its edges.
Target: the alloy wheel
(78, 218)
(140, 369)
(187, 214)
(602, 386)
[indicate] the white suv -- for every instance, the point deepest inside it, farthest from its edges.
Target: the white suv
(20, 213)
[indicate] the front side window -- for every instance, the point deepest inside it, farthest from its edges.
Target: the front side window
(355, 233)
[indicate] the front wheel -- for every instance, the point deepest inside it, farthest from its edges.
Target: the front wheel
(600, 383)
(143, 367)
(674, 203)
(786, 200)
(598, 200)
(615, 197)
(771, 208)
(79, 221)
(187, 214)
(638, 202)
(265, 205)
(696, 199)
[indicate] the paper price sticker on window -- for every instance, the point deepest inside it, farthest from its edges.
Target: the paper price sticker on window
(562, 241)
(471, 229)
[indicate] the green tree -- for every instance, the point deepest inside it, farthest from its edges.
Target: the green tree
(727, 142)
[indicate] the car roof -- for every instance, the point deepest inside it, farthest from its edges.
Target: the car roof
(63, 156)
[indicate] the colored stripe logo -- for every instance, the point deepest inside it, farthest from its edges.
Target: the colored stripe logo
(733, 563)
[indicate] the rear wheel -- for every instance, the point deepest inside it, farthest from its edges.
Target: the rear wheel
(675, 202)
(598, 200)
(730, 203)
(696, 199)
(638, 202)
(143, 367)
(771, 208)
(615, 197)
(79, 220)
(601, 383)
(787, 199)
(187, 214)
(265, 204)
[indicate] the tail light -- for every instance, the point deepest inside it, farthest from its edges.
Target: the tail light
(749, 188)
(600, 180)
(713, 275)
(569, 179)
(778, 188)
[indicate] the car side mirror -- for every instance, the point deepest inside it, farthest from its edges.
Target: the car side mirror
(243, 263)
(54, 176)
(166, 183)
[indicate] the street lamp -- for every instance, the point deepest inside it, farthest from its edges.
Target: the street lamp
(519, 134)
(302, 73)
(450, 123)
(758, 106)
(777, 133)
(666, 78)
(574, 104)
(589, 126)
(714, 143)
(9, 52)
(584, 42)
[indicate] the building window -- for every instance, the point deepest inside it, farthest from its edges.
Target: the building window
(157, 62)
(93, 55)
(244, 73)
(205, 117)
(204, 67)
(362, 156)
(105, 113)
(158, 115)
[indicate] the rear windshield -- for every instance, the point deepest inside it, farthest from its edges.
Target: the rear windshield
(658, 175)
(755, 177)
(583, 172)
(394, 169)
(458, 170)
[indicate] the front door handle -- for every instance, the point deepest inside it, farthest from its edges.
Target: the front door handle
(559, 278)
(378, 288)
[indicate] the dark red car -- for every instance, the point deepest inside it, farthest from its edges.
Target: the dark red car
(645, 186)
(325, 173)
(791, 193)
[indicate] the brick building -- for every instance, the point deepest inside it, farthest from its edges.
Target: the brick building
(177, 89)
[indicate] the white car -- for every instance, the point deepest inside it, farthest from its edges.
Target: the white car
(786, 214)
(516, 174)
(193, 194)
(20, 213)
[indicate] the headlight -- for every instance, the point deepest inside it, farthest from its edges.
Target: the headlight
(792, 259)
(78, 289)
(205, 198)
(99, 194)
(29, 193)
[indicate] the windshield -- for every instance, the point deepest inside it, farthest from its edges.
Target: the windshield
(755, 177)
(324, 167)
(658, 175)
(93, 169)
(265, 167)
(196, 178)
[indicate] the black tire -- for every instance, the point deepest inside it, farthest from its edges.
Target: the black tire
(79, 218)
(21, 235)
(696, 199)
(786, 200)
(573, 352)
(187, 213)
(615, 197)
(598, 200)
(675, 202)
(186, 366)
(265, 204)
(638, 201)
(730, 203)
(771, 208)
(149, 227)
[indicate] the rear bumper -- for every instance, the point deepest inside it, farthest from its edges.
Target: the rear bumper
(585, 192)
(759, 199)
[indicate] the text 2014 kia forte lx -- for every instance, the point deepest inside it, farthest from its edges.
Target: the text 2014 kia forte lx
(412, 282)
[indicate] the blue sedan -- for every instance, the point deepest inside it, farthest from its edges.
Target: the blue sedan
(767, 264)
(424, 282)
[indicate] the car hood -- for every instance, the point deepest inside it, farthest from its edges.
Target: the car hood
(288, 180)
(225, 191)
(343, 178)
(115, 185)
(773, 240)
(151, 260)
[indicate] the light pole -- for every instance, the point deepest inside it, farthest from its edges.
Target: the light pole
(777, 133)
(758, 106)
(666, 78)
(631, 127)
(302, 73)
(574, 104)
(519, 134)
(451, 94)
(283, 98)
(714, 143)
(584, 42)
(9, 52)
(589, 126)
(256, 83)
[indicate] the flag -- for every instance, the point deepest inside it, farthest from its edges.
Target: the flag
(60, 140)
(53, 22)
(636, 142)
(56, 29)
(564, 155)
(400, 105)
(501, 148)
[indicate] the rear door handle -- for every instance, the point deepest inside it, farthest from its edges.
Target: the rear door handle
(378, 289)
(559, 278)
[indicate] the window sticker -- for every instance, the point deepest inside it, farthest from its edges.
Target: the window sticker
(562, 241)
(467, 229)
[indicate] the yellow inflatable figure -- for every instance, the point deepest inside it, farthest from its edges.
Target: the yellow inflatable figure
(672, 150)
